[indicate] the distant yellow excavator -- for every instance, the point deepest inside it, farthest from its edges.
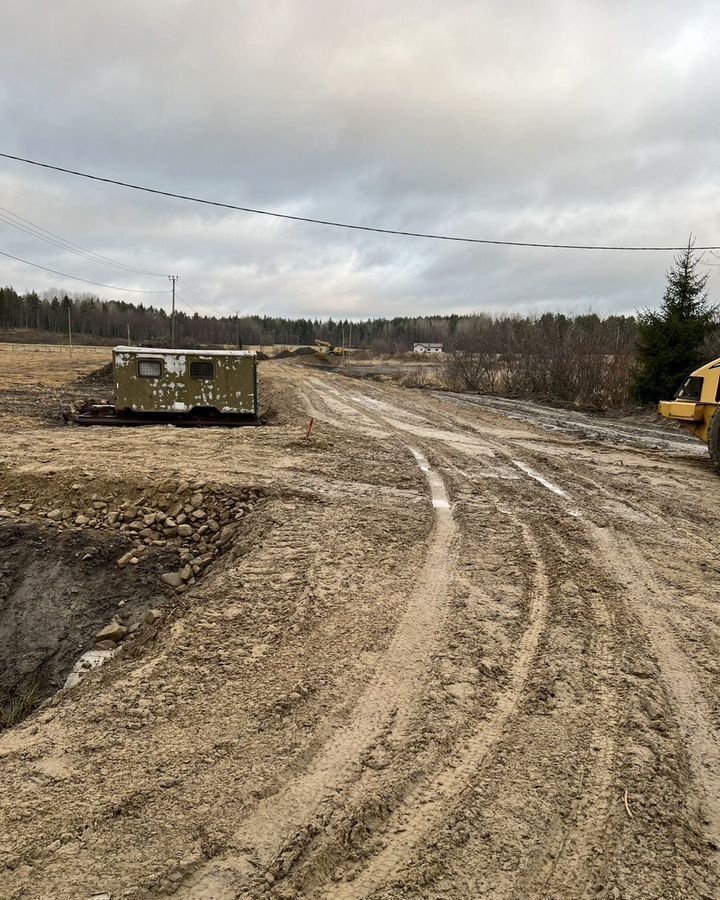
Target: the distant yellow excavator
(695, 407)
(327, 347)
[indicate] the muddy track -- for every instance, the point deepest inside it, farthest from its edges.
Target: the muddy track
(454, 656)
(573, 861)
(279, 827)
(425, 809)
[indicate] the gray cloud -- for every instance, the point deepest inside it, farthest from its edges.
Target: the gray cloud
(561, 122)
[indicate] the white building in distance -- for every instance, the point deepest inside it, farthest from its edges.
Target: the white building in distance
(425, 347)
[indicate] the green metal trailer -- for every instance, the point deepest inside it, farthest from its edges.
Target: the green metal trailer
(190, 387)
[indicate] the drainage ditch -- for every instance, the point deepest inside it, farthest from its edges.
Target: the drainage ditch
(87, 566)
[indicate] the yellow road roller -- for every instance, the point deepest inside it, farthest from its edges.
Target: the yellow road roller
(695, 405)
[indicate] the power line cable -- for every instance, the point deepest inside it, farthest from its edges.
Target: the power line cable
(212, 311)
(112, 287)
(185, 303)
(50, 237)
(191, 290)
(195, 296)
(199, 300)
(347, 225)
(179, 287)
(29, 231)
(60, 245)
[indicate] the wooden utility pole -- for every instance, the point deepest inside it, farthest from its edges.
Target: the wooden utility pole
(172, 278)
(70, 328)
(237, 329)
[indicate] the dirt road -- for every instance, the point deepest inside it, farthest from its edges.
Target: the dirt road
(452, 655)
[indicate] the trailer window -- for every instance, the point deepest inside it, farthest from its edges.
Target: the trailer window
(149, 368)
(201, 370)
(691, 389)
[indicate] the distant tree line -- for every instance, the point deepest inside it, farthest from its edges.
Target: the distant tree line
(118, 320)
(587, 359)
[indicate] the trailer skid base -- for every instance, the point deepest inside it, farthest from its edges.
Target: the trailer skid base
(107, 415)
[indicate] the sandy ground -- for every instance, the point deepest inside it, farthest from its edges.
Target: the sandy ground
(38, 380)
(451, 654)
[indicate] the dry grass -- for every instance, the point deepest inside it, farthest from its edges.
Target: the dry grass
(47, 365)
(26, 699)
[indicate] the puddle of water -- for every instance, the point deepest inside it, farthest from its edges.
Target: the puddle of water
(438, 494)
(539, 478)
(536, 476)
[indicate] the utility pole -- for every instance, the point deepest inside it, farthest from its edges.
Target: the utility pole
(128, 327)
(237, 329)
(172, 278)
(70, 328)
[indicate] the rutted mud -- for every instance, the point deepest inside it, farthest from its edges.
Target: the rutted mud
(449, 655)
(650, 436)
(280, 834)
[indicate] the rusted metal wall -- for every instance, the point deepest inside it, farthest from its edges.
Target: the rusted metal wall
(232, 389)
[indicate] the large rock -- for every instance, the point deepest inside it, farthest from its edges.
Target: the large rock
(112, 632)
(202, 560)
(125, 559)
(174, 579)
(184, 530)
(225, 536)
(106, 645)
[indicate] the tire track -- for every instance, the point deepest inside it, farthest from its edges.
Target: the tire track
(622, 560)
(434, 801)
(425, 808)
(282, 821)
(572, 864)
(690, 709)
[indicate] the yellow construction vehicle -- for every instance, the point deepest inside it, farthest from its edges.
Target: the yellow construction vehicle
(327, 347)
(695, 406)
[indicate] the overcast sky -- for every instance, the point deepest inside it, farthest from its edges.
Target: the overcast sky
(583, 122)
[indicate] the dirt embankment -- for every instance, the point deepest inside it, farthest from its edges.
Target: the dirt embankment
(84, 561)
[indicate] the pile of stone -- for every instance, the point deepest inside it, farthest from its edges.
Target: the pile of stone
(113, 635)
(17, 511)
(199, 522)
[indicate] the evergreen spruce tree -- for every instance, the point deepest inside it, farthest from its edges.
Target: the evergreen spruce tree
(670, 339)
